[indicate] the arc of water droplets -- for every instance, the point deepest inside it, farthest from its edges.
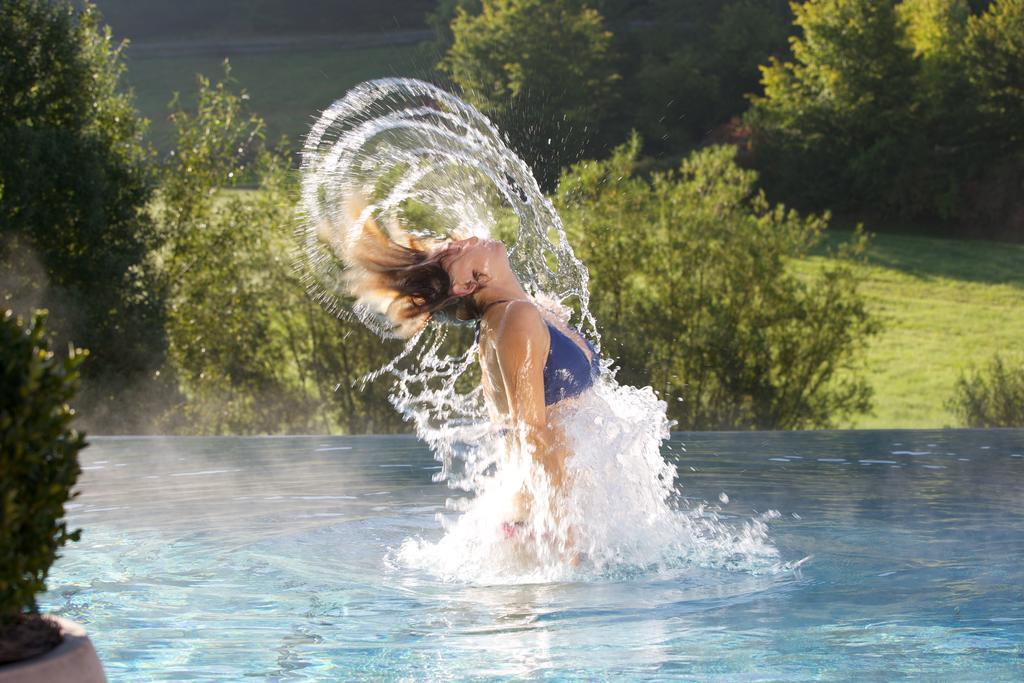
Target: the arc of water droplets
(405, 143)
(410, 149)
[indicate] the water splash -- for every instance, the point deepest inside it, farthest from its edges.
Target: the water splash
(429, 162)
(621, 516)
(422, 161)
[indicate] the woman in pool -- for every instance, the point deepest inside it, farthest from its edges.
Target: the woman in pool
(531, 359)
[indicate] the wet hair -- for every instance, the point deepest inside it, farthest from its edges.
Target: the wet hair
(403, 285)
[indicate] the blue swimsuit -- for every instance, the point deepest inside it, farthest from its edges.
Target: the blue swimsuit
(567, 372)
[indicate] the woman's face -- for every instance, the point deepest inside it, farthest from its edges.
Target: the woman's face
(472, 263)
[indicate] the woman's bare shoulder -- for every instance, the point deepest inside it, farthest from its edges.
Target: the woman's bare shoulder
(521, 316)
(520, 322)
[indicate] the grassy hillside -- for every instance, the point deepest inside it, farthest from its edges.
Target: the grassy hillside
(945, 304)
(287, 88)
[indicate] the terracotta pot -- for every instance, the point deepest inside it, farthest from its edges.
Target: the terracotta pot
(73, 661)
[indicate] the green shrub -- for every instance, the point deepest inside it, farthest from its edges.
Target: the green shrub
(251, 351)
(75, 236)
(38, 459)
(542, 69)
(909, 108)
(993, 397)
(691, 281)
(829, 130)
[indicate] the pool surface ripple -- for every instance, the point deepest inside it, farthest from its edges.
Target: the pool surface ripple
(272, 559)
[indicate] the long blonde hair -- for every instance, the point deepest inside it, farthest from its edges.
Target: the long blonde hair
(393, 275)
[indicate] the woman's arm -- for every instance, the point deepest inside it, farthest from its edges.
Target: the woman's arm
(522, 342)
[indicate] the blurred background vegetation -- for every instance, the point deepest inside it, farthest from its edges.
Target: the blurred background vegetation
(713, 161)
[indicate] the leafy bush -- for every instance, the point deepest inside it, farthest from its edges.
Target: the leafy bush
(993, 397)
(835, 126)
(691, 279)
(908, 108)
(993, 64)
(542, 68)
(75, 236)
(251, 351)
(38, 460)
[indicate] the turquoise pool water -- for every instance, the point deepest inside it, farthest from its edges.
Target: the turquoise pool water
(273, 559)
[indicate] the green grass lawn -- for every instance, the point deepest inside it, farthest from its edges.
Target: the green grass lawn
(287, 88)
(946, 305)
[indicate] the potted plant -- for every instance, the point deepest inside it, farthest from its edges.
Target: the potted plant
(38, 468)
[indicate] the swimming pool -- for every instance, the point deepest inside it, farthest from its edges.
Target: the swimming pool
(273, 558)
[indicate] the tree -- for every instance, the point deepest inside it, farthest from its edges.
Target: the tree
(252, 352)
(835, 125)
(910, 108)
(746, 34)
(686, 67)
(440, 20)
(543, 69)
(693, 286)
(688, 64)
(75, 184)
(934, 31)
(993, 64)
(994, 61)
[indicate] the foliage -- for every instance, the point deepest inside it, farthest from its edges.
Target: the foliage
(672, 98)
(38, 459)
(837, 122)
(993, 397)
(934, 30)
(440, 20)
(687, 66)
(542, 68)
(76, 181)
(691, 282)
(685, 69)
(994, 64)
(910, 108)
(745, 35)
(252, 352)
